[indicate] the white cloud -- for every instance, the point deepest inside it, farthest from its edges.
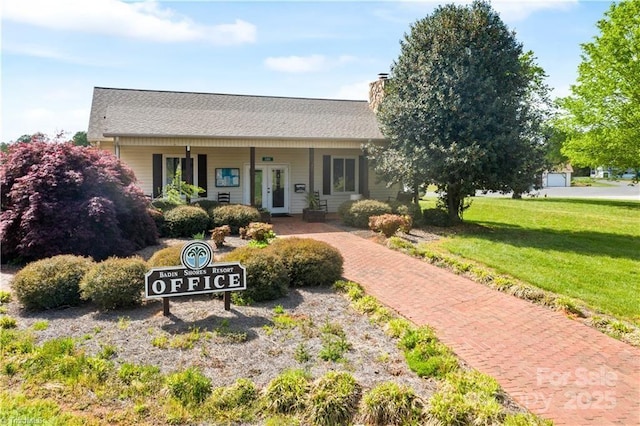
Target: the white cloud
(143, 20)
(355, 91)
(302, 64)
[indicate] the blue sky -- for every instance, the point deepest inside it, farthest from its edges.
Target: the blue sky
(55, 51)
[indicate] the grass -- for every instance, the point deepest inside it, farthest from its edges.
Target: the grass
(583, 249)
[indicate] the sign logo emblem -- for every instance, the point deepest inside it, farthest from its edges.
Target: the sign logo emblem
(196, 255)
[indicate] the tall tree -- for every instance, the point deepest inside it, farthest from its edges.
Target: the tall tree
(602, 115)
(80, 139)
(458, 104)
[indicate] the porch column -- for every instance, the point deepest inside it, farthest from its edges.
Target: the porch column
(188, 171)
(311, 170)
(252, 176)
(116, 147)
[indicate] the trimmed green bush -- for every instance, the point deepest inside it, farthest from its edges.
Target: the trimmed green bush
(436, 217)
(164, 204)
(309, 262)
(334, 399)
(51, 283)
(287, 393)
(235, 215)
(190, 386)
(158, 218)
(412, 210)
(206, 204)
(267, 277)
(358, 213)
(115, 282)
(391, 404)
(185, 221)
(168, 256)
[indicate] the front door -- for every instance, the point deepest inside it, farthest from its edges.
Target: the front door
(272, 187)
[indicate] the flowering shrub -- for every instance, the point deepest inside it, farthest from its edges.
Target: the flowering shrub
(115, 283)
(51, 283)
(218, 234)
(388, 224)
(58, 198)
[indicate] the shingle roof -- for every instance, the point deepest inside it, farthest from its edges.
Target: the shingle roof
(126, 112)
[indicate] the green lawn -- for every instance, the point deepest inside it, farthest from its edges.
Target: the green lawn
(585, 249)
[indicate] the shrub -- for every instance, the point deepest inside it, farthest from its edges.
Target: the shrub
(242, 392)
(168, 256)
(266, 274)
(58, 198)
(358, 213)
(190, 387)
(467, 398)
(206, 204)
(388, 224)
(287, 392)
(258, 231)
(309, 262)
(391, 404)
(51, 283)
(235, 215)
(164, 204)
(436, 217)
(334, 399)
(185, 221)
(414, 211)
(158, 218)
(219, 234)
(115, 283)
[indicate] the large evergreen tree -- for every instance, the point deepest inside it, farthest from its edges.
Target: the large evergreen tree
(460, 105)
(602, 115)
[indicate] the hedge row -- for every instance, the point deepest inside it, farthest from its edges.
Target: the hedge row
(66, 280)
(184, 221)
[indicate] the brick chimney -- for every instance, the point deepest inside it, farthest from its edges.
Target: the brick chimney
(376, 91)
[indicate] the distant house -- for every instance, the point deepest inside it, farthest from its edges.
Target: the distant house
(269, 150)
(558, 177)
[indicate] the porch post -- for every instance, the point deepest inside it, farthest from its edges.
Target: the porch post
(311, 170)
(187, 169)
(116, 146)
(252, 176)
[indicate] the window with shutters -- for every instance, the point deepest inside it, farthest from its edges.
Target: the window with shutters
(344, 175)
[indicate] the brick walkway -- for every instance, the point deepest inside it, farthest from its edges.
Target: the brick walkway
(558, 368)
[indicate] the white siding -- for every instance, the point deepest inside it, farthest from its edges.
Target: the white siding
(139, 158)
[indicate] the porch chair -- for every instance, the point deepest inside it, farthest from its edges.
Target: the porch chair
(321, 203)
(224, 197)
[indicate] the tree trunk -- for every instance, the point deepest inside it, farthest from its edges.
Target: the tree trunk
(454, 203)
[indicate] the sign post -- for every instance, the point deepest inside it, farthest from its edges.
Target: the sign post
(197, 275)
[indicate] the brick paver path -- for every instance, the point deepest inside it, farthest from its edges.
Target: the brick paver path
(558, 368)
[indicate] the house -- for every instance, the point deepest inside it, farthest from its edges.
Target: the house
(561, 176)
(272, 150)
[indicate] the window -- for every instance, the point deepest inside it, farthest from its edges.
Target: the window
(344, 175)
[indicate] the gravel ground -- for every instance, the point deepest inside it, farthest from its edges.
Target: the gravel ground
(373, 358)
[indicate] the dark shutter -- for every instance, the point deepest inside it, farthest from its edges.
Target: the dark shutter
(363, 176)
(202, 174)
(157, 175)
(326, 175)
